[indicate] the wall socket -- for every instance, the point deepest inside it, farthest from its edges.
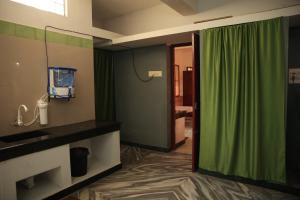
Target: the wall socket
(155, 73)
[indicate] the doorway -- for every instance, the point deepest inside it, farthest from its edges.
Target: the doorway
(185, 96)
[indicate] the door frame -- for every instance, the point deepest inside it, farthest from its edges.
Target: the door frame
(172, 88)
(196, 101)
(196, 96)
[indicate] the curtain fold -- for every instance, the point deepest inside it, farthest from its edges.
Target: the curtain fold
(243, 83)
(104, 85)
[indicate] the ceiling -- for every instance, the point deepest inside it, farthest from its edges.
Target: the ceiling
(106, 9)
(162, 40)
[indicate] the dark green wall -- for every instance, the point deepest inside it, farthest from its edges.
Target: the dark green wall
(294, 47)
(293, 105)
(142, 108)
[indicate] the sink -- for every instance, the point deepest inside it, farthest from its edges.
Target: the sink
(24, 136)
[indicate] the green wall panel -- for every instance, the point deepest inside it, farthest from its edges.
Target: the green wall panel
(17, 30)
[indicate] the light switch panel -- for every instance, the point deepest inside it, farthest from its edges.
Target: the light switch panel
(155, 73)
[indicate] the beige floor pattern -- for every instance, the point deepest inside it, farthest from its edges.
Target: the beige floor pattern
(186, 148)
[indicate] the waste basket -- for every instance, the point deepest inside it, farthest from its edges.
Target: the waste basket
(79, 161)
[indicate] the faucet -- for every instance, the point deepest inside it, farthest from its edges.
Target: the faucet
(19, 121)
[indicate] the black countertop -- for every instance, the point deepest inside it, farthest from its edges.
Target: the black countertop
(52, 137)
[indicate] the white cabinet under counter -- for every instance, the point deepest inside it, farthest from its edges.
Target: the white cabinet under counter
(51, 168)
(53, 163)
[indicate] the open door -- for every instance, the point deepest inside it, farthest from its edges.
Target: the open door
(196, 100)
(189, 84)
(181, 59)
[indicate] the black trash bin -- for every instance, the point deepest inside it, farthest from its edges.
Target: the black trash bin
(79, 161)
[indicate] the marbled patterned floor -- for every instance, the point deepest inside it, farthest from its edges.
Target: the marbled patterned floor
(167, 176)
(185, 148)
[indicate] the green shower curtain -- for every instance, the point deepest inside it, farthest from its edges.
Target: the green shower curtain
(104, 85)
(243, 83)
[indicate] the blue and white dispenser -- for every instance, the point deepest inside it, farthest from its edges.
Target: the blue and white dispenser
(61, 82)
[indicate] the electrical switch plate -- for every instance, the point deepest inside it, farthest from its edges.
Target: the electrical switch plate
(155, 73)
